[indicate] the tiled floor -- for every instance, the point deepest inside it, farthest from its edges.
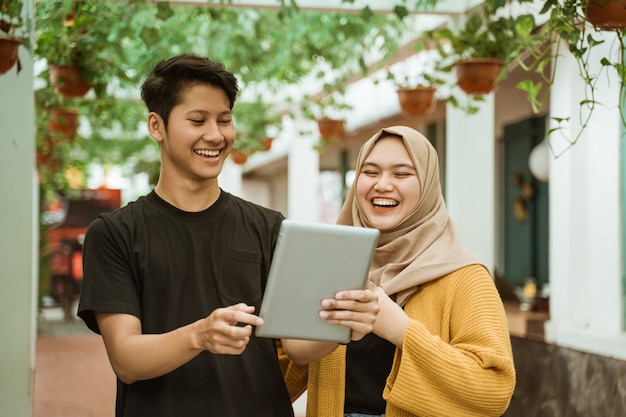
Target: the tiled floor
(73, 377)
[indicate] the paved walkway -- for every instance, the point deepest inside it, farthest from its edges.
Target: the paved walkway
(73, 377)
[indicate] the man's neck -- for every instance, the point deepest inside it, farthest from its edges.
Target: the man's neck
(190, 198)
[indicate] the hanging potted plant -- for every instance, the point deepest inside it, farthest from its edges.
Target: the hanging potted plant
(57, 125)
(14, 32)
(607, 14)
(239, 157)
(572, 28)
(330, 128)
(73, 38)
(416, 97)
(257, 122)
(418, 100)
(243, 147)
(63, 123)
(417, 81)
(329, 110)
(483, 47)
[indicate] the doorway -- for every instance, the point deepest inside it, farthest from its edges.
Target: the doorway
(526, 206)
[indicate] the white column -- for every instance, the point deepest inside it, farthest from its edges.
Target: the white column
(470, 171)
(18, 238)
(303, 176)
(585, 215)
(230, 178)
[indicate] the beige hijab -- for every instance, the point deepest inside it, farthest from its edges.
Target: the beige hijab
(424, 246)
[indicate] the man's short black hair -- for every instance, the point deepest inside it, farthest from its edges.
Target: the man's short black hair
(164, 85)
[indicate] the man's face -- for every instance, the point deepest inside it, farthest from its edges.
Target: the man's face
(199, 135)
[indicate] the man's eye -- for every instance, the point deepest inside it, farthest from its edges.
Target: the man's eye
(226, 121)
(197, 121)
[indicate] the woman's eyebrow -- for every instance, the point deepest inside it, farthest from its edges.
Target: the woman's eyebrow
(394, 166)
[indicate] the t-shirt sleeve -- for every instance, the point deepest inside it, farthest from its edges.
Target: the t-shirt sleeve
(109, 285)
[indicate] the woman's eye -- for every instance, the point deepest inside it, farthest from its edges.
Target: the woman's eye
(369, 173)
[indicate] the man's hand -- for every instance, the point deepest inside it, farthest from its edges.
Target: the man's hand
(227, 330)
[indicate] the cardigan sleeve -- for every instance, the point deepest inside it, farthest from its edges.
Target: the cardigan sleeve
(295, 376)
(456, 360)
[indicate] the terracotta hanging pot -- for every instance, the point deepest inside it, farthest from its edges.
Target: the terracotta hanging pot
(9, 47)
(63, 124)
(417, 101)
(238, 157)
(68, 82)
(46, 160)
(330, 128)
(607, 14)
(478, 76)
(267, 143)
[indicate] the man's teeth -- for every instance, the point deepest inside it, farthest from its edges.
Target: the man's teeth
(205, 152)
(382, 202)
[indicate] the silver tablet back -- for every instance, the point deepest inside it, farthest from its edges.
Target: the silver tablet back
(313, 261)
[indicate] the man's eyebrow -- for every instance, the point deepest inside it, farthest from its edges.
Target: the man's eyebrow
(204, 112)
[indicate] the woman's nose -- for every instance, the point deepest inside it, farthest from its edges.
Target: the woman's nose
(383, 184)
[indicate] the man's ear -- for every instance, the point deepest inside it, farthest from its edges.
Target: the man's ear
(156, 126)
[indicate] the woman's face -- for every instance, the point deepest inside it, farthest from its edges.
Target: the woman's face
(387, 187)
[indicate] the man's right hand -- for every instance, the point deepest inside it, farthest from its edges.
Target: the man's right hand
(227, 330)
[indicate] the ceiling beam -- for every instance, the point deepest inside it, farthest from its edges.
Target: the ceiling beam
(448, 7)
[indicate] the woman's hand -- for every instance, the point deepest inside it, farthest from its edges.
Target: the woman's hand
(391, 321)
(355, 309)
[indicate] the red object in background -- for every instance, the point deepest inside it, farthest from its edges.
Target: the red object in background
(59, 263)
(68, 223)
(77, 265)
(79, 213)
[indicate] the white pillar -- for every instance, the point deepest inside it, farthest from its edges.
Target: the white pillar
(230, 178)
(303, 177)
(470, 173)
(18, 238)
(585, 214)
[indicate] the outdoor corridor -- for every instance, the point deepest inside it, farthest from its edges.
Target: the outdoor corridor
(73, 377)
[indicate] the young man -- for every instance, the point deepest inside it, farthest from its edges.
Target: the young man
(172, 280)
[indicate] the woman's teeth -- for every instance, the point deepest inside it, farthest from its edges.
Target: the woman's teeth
(384, 202)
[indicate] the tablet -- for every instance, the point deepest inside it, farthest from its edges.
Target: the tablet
(313, 261)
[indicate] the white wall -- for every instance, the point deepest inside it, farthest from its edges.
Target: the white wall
(18, 239)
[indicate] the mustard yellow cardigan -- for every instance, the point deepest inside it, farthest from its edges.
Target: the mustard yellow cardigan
(456, 357)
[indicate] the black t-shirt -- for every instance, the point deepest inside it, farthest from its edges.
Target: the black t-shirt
(170, 268)
(368, 363)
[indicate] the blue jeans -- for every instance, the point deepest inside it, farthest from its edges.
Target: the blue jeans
(363, 415)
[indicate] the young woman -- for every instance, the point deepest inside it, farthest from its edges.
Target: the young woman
(439, 344)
